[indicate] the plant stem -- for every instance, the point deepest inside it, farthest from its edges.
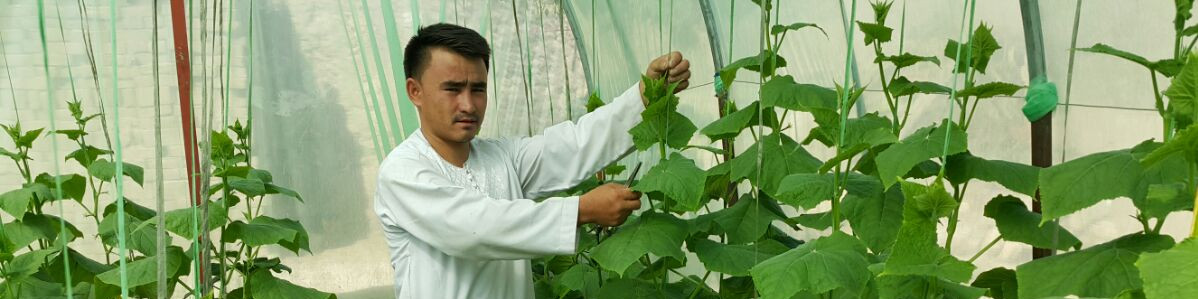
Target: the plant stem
(688, 278)
(959, 195)
(696, 291)
(984, 249)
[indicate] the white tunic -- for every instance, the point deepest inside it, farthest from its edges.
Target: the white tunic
(470, 232)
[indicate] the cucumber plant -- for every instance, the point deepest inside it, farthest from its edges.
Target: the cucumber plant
(34, 245)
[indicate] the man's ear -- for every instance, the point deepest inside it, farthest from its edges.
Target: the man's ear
(414, 92)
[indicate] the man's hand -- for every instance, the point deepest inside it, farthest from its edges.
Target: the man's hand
(672, 66)
(607, 205)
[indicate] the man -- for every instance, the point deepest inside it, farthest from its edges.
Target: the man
(458, 212)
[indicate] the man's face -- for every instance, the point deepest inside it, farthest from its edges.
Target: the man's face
(451, 95)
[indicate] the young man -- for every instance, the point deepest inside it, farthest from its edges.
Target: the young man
(458, 212)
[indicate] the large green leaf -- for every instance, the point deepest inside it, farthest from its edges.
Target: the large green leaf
(145, 270)
(989, 90)
(732, 124)
(1184, 143)
(1104, 270)
(105, 170)
(1077, 184)
(661, 122)
(907, 59)
(806, 190)
(27, 139)
(924, 144)
(249, 187)
(27, 263)
(913, 287)
(1016, 223)
(744, 222)
(778, 29)
(581, 277)
(1108, 50)
(1184, 90)
(263, 285)
(87, 154)
(16, 202)
(38, 227)
(983, 46)
(659, 234)
(631, 289)
(1017, 177)
(999, 282)
(73, 185)
(733, 260)
(824, 264)
(1162, 187)
(139, 235)
(259, 231)
(875, 32)
(875, 217)
(678, 179)
(752, 63)
(781, 156)
(299, 242)
(784, 92)
(1171, 273)
(182, 221)
(916, 251)
(901, 86)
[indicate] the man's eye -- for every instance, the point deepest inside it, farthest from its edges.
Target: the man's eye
(479, 90)
(453, 89)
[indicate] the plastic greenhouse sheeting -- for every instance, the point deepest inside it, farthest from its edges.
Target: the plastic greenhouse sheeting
(326, 104)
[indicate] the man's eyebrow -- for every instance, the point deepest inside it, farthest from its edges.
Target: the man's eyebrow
(461, 84)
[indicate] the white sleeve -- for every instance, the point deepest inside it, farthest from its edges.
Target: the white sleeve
(567, 153)
(465, 223)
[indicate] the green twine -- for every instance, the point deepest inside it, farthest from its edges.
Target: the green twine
(407, 112)
(378, 146)
(1041, 99)
(8, 69)
(378, 115)
(378, 63)
(948, 121)
(119, 164)
(415, 7)
(62, 237)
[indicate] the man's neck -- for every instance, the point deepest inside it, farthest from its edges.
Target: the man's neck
(454, 153)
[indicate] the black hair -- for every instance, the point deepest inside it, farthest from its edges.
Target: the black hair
(460, 40)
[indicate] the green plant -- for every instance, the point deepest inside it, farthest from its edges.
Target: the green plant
(1158, 178)
(893, 191)
(34, 245)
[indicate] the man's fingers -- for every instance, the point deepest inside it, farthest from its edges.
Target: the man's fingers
(632, 205)
(680, 67)
(680, 76)
(682, 86)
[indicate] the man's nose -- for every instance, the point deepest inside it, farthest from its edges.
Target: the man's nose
(464, 103)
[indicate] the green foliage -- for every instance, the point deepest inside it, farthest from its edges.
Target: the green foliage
(834, 262)
(915, 250)
(659, 234)
(34, 245)
(1016, 223)
(924, 144)
(1080, 183)
(982, 46)
(1183, 91)
(1170, 273)
(1000, 283)
(1104, 270)
(660, 122)
(678, 179)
